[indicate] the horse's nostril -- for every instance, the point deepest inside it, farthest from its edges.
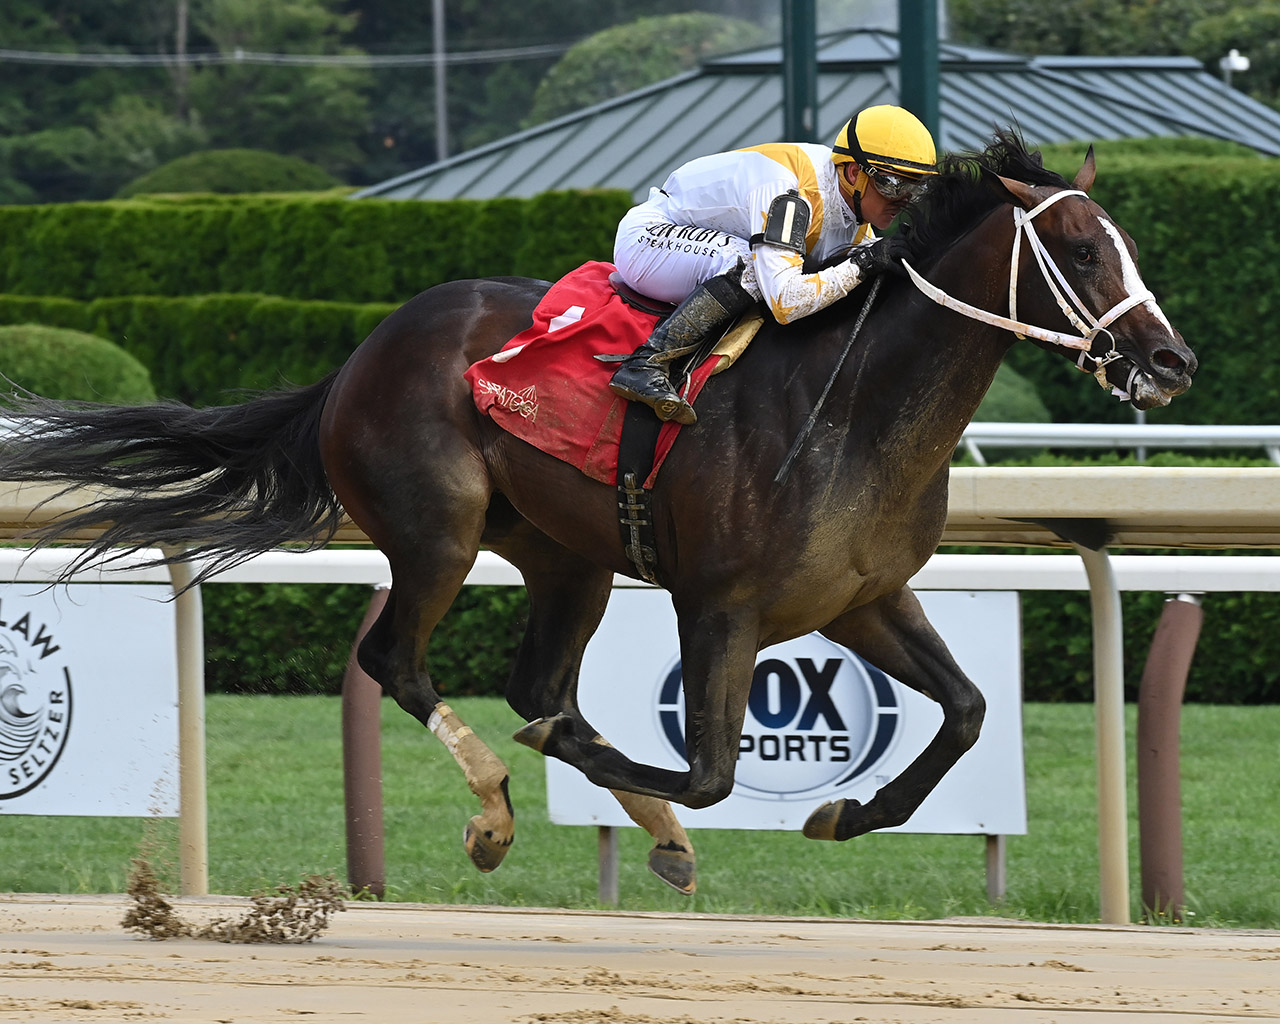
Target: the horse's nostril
(1167, 360)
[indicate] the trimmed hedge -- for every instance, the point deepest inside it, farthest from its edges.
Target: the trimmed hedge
(232, 171)
(296, 638)
(1011, 399)
(1235, 661)
(66, 364)
(202, 349)
(297, 247)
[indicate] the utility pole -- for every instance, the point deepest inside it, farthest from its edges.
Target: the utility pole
(180, 63)
(442, 105)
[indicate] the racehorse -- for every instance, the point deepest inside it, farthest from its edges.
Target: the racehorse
(1001, 248)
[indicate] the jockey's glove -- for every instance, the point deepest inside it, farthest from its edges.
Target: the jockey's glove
(878, 256)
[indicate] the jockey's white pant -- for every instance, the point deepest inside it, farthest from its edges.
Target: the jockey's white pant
(667, 261)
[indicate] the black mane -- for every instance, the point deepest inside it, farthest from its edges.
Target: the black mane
(961, 194)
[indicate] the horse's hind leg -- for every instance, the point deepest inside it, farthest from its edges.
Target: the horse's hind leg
(672, 858)
(392, 652)
(400, 448)
(567, 597)
(894, 635)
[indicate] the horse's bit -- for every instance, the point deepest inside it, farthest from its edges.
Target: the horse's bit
(1070, 304)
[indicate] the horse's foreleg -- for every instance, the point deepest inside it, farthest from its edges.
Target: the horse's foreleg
(718, 654)
(567, 598)
(894, 635)
(718, 658)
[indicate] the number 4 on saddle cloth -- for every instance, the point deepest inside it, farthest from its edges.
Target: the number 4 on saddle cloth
(547, 388)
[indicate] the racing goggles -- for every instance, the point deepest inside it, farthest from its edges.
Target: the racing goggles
(892, 186)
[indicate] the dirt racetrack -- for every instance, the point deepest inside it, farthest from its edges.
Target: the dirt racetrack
(66, 958)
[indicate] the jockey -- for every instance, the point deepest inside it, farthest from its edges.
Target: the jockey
(727, 230)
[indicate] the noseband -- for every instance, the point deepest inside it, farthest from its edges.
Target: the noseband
(1072, 307)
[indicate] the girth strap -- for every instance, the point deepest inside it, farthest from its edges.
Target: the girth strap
(636, 447)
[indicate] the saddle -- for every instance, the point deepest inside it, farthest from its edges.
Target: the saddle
(548, 387)
(634, 299)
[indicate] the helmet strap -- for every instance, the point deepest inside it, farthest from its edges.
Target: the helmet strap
(856, 190)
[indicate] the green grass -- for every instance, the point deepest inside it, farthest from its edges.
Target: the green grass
(275, 813)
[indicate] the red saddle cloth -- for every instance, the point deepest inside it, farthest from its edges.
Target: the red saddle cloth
(546, 387)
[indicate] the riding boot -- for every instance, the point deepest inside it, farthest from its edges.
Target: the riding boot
(642, 377)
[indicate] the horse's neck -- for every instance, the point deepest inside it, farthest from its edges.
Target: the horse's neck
(928, 368)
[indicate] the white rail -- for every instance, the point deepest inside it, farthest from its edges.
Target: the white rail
(1118, 435)
(1172, 574)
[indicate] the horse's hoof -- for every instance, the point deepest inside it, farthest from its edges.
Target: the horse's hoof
(486, 853)
(824, 823)
(676, 866)
(536, 734)
(542, 733)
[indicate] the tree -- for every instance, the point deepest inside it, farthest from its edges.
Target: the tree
(132, 137)
(317, 113)
(1254, 30)
(127, 138)
(626, 57)
(1080, 27)
(1205, 29)
(486, 100)
(54, 119)
(77, 131)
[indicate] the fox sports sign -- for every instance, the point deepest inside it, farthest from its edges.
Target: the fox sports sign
(818, 719)
(820, 722)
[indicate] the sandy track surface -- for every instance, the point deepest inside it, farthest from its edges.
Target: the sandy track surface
(68, 959)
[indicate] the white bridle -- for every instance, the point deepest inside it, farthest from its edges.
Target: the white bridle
(1070, 304)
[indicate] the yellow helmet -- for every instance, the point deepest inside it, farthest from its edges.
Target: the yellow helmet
(888, 139)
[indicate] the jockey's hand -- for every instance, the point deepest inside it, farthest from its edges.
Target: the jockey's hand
(881, 255)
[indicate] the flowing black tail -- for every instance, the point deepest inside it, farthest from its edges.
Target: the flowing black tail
(214, 486)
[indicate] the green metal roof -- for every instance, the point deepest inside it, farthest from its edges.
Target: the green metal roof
(632, 142)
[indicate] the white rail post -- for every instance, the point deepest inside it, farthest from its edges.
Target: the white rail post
(1108, 673)
(193, 820)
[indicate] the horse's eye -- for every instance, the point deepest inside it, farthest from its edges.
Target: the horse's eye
(1083, 254)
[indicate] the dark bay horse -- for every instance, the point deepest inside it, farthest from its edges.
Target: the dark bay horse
(394, 439)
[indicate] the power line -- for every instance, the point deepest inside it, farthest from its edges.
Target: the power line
(241, 56)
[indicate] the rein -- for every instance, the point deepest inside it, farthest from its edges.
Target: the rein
(785, 469)
(1070, 304)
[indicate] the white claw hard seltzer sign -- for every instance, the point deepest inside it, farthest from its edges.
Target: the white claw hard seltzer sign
(88, 700)
(821, 723)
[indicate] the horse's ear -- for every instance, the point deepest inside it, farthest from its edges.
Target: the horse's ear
(1088, 172)
(1021, 192)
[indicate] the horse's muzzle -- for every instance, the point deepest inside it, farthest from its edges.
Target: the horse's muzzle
(1154, 380)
